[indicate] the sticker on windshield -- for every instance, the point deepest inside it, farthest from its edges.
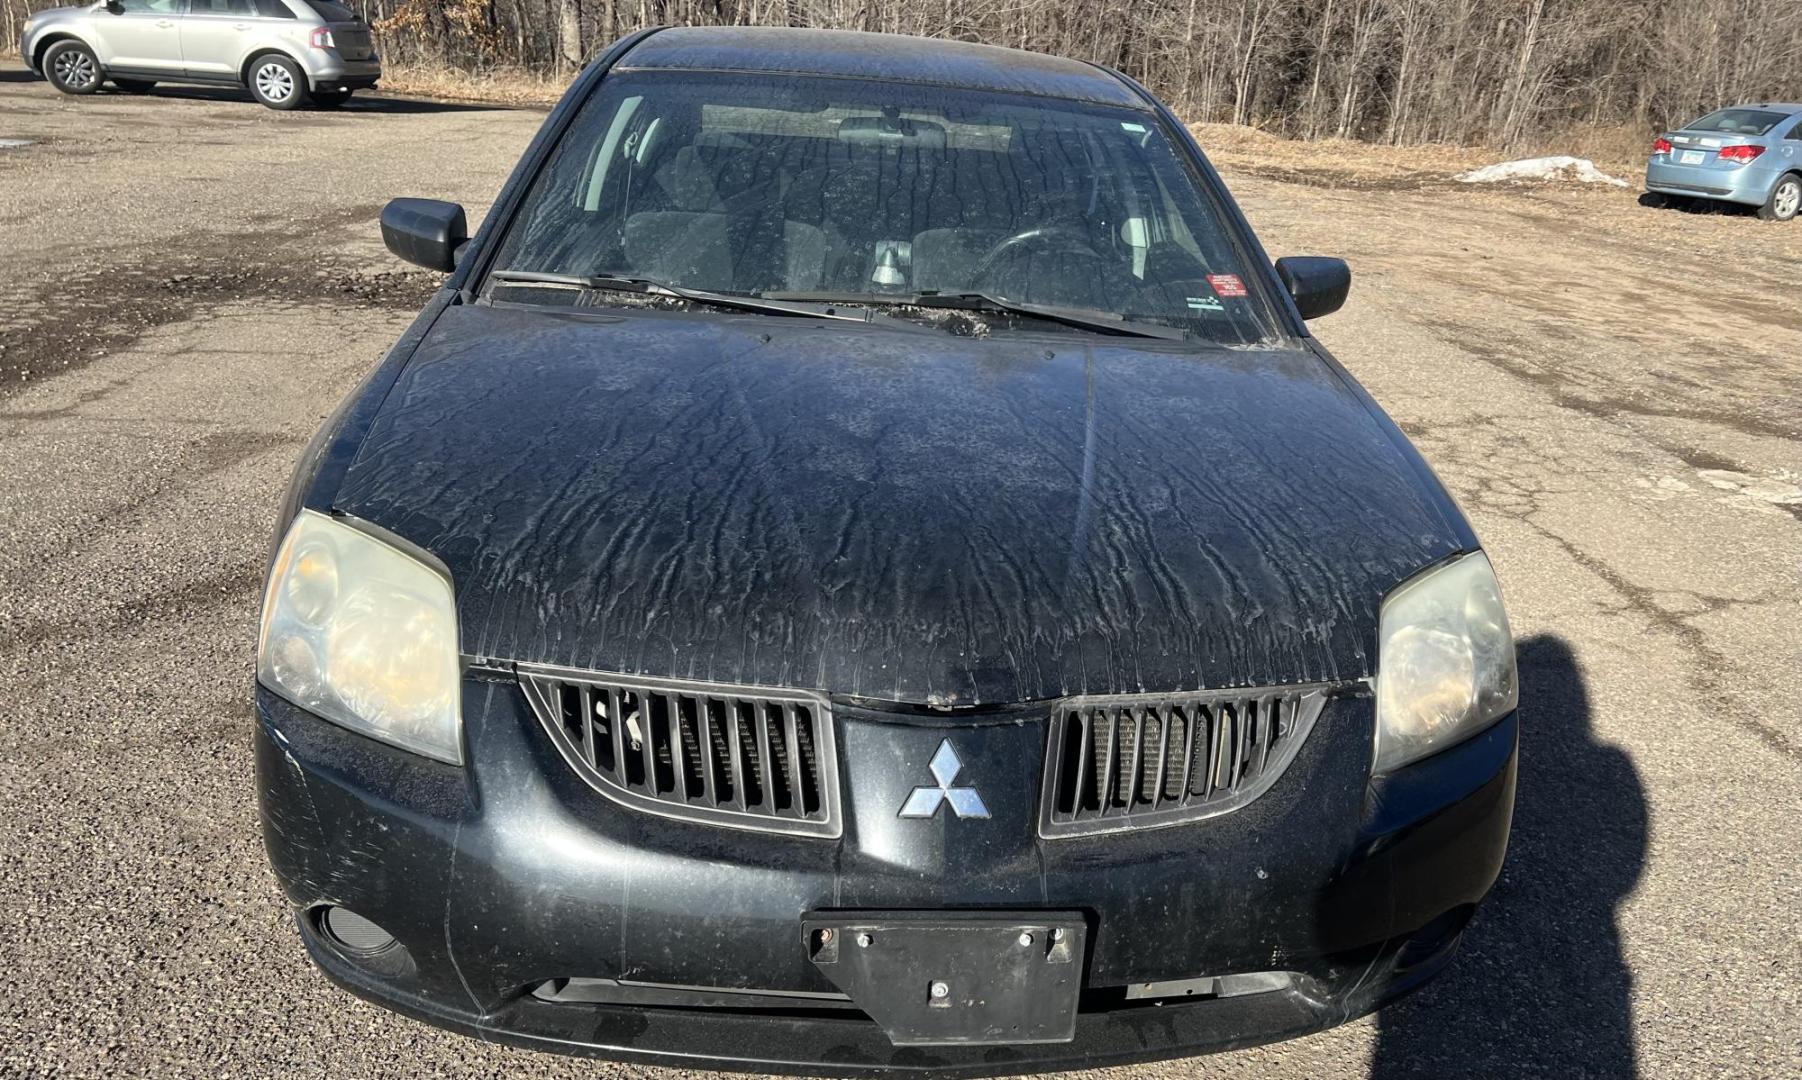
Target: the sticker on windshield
(1205, 303)
(1136, 129)
(1227, 284)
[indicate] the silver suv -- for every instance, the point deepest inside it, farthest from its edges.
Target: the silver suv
(286, 52)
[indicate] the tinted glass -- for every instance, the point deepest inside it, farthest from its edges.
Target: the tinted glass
(331, 12)
(842, 187)
(1737, 122)
(219, 7)
(1796, 132)
(274, 9)
(154, 7)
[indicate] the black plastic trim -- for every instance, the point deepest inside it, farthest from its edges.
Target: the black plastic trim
(1303, 704)
(540, 683)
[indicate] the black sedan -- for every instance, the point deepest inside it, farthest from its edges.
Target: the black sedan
(862, 568)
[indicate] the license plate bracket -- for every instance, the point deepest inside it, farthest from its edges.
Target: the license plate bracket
(955, 978)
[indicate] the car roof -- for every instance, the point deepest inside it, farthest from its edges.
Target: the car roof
(888, 57)
(1767, 106)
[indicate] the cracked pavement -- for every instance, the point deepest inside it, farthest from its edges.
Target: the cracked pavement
(191, 282)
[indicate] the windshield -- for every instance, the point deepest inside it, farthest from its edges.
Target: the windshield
(840, 189)
(1738, 122)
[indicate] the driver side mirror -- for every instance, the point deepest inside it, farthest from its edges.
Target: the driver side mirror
(1318, 285)
(425, 232)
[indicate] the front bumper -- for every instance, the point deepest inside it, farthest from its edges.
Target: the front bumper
(511, 874)
(1749, 184)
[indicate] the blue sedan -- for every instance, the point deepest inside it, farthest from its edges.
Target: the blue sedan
(1749, 154)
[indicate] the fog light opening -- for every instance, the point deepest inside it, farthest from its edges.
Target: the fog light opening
(354, 934)
(363, 943)
(1435, 940)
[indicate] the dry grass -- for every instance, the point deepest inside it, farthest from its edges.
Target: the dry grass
(499, 86)
(1348, 163)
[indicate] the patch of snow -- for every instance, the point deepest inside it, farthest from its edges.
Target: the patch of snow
(1561, 167)
(9, 144)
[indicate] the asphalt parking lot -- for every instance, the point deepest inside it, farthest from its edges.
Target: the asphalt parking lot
(189, 282)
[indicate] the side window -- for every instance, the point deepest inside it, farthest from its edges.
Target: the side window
(274, 9)
(1795, 133)
(151, 7)
(219, 7)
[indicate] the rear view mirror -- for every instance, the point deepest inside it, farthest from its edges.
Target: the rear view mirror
(425, 232)
(1318, 285)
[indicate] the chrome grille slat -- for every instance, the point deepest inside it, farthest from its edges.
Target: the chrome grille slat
(617, 724)
(1163, 722)
(1136, 779)
(789, 722)
(1109, 766)
(736, 762)
(737, 756)
(1182, 792)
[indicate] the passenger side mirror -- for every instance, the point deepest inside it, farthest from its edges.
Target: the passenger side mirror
(425, 232)
(1318, 285)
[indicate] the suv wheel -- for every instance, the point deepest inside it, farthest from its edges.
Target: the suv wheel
(330, 99)
(277, 82)
(1785, 200)
(72, 68)
(135, 86)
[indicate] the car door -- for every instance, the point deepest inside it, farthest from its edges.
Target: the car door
(140, 36)
(213, 36)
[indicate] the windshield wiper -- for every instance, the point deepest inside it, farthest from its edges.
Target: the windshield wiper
(650, 287)
(1085, 318)
(1105, 322)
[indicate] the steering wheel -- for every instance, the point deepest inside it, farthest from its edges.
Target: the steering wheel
(1075, 242)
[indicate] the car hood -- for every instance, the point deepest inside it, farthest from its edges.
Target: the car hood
(907, 517)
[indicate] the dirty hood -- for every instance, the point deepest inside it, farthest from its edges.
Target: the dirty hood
(909, 517)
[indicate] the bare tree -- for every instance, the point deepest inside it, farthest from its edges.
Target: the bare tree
(1471, 71)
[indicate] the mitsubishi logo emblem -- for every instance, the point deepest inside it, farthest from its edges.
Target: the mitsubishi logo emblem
(924, 801)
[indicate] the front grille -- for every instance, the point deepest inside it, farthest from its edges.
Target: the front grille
(739, 756)
(1141, 762)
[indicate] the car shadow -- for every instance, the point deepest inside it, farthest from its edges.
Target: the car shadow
(1540, 986)
(1683, 205)
(364, 101)
(16, 75)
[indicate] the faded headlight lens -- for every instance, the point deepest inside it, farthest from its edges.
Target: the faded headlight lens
(1445, 666)
(364, 635)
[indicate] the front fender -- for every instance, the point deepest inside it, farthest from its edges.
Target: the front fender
(39, 41)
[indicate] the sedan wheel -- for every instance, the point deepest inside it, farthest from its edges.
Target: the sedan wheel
(277, 82)
(1785, 200)
(72, 68)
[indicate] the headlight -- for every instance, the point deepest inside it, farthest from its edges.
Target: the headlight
(1445, 664)
(365, 635)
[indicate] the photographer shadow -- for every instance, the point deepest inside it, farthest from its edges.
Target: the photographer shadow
(1540, 987)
